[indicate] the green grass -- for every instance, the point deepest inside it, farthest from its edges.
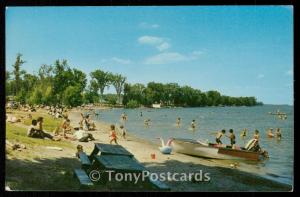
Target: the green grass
(49, 123)
(19, 134)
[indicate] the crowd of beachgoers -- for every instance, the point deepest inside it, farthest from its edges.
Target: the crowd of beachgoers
(83, 132)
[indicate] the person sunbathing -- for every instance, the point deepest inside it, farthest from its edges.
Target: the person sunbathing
(35, 130)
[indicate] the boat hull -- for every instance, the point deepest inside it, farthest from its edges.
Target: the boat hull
(194, 148)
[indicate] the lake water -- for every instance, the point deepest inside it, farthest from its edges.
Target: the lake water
(209, 119)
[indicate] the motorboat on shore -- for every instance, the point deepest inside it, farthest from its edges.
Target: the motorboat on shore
(251, 151)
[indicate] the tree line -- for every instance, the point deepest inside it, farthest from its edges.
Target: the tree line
(59, 84)
(171, 94)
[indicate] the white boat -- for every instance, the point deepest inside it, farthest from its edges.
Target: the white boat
(209, 150)
(156, 106)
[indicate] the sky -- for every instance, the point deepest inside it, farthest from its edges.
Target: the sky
(236, 50)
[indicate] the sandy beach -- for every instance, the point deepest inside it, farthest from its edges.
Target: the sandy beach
(179, 163)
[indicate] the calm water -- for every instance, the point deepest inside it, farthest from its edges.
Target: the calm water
(209, 119)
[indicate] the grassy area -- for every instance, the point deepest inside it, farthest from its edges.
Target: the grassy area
(36, 168)
(19, 134)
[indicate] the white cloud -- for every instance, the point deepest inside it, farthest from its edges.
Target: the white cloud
(260, 76)
(172, 57)
(164, 46)
(165, 58)
(121, 61)
(159, 43)
(289, 72)
(148, 26)
(150, 40)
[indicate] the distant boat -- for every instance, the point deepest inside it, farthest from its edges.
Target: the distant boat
(156, 106)
(216, 151)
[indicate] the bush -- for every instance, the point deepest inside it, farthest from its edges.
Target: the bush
(111, 99)
(132, 104)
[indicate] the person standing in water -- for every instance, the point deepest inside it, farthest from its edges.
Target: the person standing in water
(113, 134)
(178, 122)
(278, 133)
(193, 124)
(244, 133)
(256, 135)
(231, 137)
(141, 114)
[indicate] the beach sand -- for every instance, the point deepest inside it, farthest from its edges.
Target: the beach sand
(222, 177)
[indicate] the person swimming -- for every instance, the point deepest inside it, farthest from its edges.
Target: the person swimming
(270, 133)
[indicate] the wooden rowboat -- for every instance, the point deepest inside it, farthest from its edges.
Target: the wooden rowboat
(209, 150)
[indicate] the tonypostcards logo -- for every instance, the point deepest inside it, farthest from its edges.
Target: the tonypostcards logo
(136, 177)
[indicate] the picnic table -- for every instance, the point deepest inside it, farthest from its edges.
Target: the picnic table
(113, 158)
(108, 149)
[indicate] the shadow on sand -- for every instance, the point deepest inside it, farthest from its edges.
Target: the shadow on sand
(221, 179)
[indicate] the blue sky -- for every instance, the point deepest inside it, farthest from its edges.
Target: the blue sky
(237, 50)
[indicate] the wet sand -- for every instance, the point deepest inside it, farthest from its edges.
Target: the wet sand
(222, 176)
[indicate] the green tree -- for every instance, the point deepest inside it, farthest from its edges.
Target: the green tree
(118, 82)
(72, 96)
(102, 78)
(17, 72)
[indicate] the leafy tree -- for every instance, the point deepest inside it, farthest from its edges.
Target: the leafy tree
(72, 96)
(102, 78)
(132, 104)
(118, 82)
(17, 73)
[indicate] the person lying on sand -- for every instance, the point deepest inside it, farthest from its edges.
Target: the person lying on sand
(13, 119)
(83, 136)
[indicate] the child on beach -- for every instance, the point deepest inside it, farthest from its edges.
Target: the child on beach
(79, 150)
(123, 131)
(113, 134)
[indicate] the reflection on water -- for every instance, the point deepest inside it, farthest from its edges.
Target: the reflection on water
(211, 119)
